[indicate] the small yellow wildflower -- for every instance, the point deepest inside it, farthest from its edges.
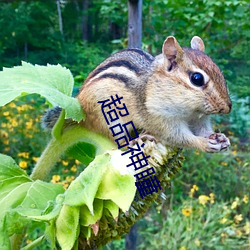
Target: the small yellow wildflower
(238, 233)
(211, 195)
(35, 159)
(234, 152)
(73, 168)
(197, 242)
(77, 162)
(235, 203)
(6, 113)
(203, 199)
(193, 190)
(223, 235)
(65, 163)
(238, 218)
(12, 105)
(23, 164)
(29, 124)
(187, 211)
(70, 178)
(24, 154)
(55, 178)
(4, 134)
(245, 199)
(183, 248)
(223, 220)
(65, 185)
(247, 227)
(224, 164)
(14, 123)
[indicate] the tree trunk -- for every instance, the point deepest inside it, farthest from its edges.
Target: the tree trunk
(59, 16)
(85, 20)
(131, 238)
(135, 23)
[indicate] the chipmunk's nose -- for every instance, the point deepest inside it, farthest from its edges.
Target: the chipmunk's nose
(227, 108)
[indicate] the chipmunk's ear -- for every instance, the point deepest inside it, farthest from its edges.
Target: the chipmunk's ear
(171, 49)
(197, 43)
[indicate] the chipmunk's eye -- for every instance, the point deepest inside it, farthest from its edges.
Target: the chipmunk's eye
(197, 79)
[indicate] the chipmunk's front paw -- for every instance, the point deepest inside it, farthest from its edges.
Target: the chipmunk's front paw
(218, 142)
(142, 137)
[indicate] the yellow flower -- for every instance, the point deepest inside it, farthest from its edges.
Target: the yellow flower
(245, 199)
(29, 124)
(197, 242)
(247, 227)
(6, 113)
(187, 211)
(225, 164)
(12, 105)
(70, 178)
(238, 233)
(77, 162)
(35, 159)
(235, 203)
(182, 248)
(55, 178)
(203, 199)
(238, 218)
(65, 163)
(223, 235)
(23, 164)
(223, 220)
(211, 195)
(4, 134)
(234, 152)
(73, 168)
(14, 123)
(65, 185)
(24, 155)
(192, 190)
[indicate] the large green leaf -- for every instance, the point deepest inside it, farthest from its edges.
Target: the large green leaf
(53, 82)
(9, 168)
(67, 226)
(21, 199)
(118, 188)
(86, 218)
(83, 189)
(83, 152)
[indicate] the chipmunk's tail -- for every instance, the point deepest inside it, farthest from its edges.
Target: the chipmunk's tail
(50, 117)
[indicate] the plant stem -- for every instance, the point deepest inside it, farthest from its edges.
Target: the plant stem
(57, 147)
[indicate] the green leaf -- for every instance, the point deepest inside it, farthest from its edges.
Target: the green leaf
(83, 152)
(6, 186)
(9, 168)
(118, 188)
(39, 194)
(86, 218)
(58, 127)
(67, 226)
(34, 243)
(50, 234)
(53, 82)
(83, 189)
(112, 208)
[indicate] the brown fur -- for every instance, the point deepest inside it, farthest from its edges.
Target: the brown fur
(159, 95)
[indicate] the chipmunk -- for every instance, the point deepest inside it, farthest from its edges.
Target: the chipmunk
(170, 96)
